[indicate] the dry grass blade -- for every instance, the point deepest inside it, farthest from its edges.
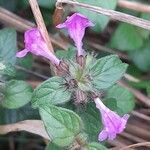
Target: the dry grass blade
(147, 144)
(134, 6)
(32, 126)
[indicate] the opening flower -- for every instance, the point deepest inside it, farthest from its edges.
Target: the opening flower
(76, 25)
(35, 44)
(112, 122)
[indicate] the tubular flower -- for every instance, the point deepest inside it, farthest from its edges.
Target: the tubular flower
(76, 25)
(35, 44)
(112, 122)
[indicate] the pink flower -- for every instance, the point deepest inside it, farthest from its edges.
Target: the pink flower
(76, 25)
(113, 123)
(35, 44)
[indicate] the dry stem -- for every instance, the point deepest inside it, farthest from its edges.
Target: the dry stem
(40, 23)
(112, 14)
(147, 144)
(134, 6)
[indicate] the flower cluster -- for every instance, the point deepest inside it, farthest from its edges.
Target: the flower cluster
(76, 25)
(113, 123)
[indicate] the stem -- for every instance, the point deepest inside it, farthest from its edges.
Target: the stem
(134, 6)
(112, 14)
(40, 23)
(147, 144)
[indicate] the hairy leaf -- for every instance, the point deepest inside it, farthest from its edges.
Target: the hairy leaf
(16, 94)
(61, 124)
(106, 71)
(124, 99)
(52, 91)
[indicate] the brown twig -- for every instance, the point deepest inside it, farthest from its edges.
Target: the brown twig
(132, 137)
(112, 14)
(138, 131)
(147, 144)
(40, 23)
(134, 6)
(141, 116)
(32, 126)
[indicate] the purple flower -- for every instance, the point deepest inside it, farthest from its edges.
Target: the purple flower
(35, 44)
(113, 123)
(76, 25)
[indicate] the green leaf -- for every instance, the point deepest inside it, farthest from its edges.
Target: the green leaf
(52, 91)
(10, 5)
(141, 57)
(52, 146)
(95, 146)
(126, 38)
(61, 124)
(111, 103)
(8, 45)
(47, 3)
(8, 116)
(92, 121)
(7, 69)
(106, 71)
(99, 20)
(16, 94)
(25, 63)
(124, 99)
(69, 54)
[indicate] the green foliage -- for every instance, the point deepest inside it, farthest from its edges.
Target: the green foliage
(7, 69)
(141, 57)
(124, 99)
(69, 54)
(47, 3)
(16, 94)
(91, 120)
(126, 38)
(8, 45)
(52, 146)
(8, 116)
(106, 71)
(95, 146)
(100, 21)
(61, 124)
(11, 5)
(25, 63)
(52, 91)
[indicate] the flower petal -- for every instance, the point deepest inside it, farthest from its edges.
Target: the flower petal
(76, 25)
(22, 53)
(102, 135)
